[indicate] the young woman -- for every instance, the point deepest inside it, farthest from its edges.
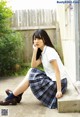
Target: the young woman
(47, 85)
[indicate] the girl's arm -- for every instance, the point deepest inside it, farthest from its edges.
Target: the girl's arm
(34, 62)
(58, 80)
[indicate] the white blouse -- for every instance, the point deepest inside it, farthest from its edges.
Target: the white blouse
(49, 54)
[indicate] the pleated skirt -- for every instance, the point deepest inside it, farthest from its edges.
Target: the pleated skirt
(44, 88)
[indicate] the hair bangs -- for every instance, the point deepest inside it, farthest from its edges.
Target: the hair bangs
(38, 35)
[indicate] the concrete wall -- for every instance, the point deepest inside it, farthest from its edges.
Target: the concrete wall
(65, 17)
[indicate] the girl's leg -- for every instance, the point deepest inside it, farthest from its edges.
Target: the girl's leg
(18, 92)
(15, 97)
(23, 85)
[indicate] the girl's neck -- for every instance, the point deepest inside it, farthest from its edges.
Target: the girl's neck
(42, 48)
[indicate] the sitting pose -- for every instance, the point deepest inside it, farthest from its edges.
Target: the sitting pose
(47, 85)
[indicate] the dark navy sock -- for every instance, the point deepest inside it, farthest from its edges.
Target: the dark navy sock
(10, 96)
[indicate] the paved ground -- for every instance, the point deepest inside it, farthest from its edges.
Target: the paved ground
(29, 106)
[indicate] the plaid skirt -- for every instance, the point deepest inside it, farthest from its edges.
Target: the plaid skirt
(44, 88)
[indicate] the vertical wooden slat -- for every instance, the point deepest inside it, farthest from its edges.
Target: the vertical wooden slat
(29, 18)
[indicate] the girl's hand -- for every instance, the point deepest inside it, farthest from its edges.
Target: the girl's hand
(35, 47)
(58, 94)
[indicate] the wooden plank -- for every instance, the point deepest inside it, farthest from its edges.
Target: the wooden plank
(34, 27)
(24, 18)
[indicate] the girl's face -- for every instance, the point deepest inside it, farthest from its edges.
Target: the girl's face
(39, 43)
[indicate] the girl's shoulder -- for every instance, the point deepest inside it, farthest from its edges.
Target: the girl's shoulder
(50, 49)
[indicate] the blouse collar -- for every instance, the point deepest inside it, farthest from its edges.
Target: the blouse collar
(44, 49)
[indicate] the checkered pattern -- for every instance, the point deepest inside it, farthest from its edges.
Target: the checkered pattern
(44, 88)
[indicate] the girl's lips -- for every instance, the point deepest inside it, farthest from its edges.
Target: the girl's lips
(37, 44)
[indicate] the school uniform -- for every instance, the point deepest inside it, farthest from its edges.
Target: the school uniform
(43, 83)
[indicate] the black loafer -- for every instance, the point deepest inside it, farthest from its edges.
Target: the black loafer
(8, 91)
(18, 98)
(8, 102)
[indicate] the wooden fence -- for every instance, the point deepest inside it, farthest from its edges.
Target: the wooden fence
(26, 21)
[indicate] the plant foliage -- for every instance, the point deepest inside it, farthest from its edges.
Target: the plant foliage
(11, 42)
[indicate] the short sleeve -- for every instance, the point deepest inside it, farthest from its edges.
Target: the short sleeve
(52, 54)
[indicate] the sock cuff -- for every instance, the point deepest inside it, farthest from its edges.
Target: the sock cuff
(10, 96)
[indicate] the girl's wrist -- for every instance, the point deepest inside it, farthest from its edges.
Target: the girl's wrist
(59, 90)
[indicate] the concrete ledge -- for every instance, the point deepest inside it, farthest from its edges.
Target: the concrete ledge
(70, 102)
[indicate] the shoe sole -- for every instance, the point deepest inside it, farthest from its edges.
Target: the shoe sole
(6, 103)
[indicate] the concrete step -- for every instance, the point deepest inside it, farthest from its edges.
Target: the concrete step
(70, 102)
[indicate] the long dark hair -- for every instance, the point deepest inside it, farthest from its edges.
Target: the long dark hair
(42, 34)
